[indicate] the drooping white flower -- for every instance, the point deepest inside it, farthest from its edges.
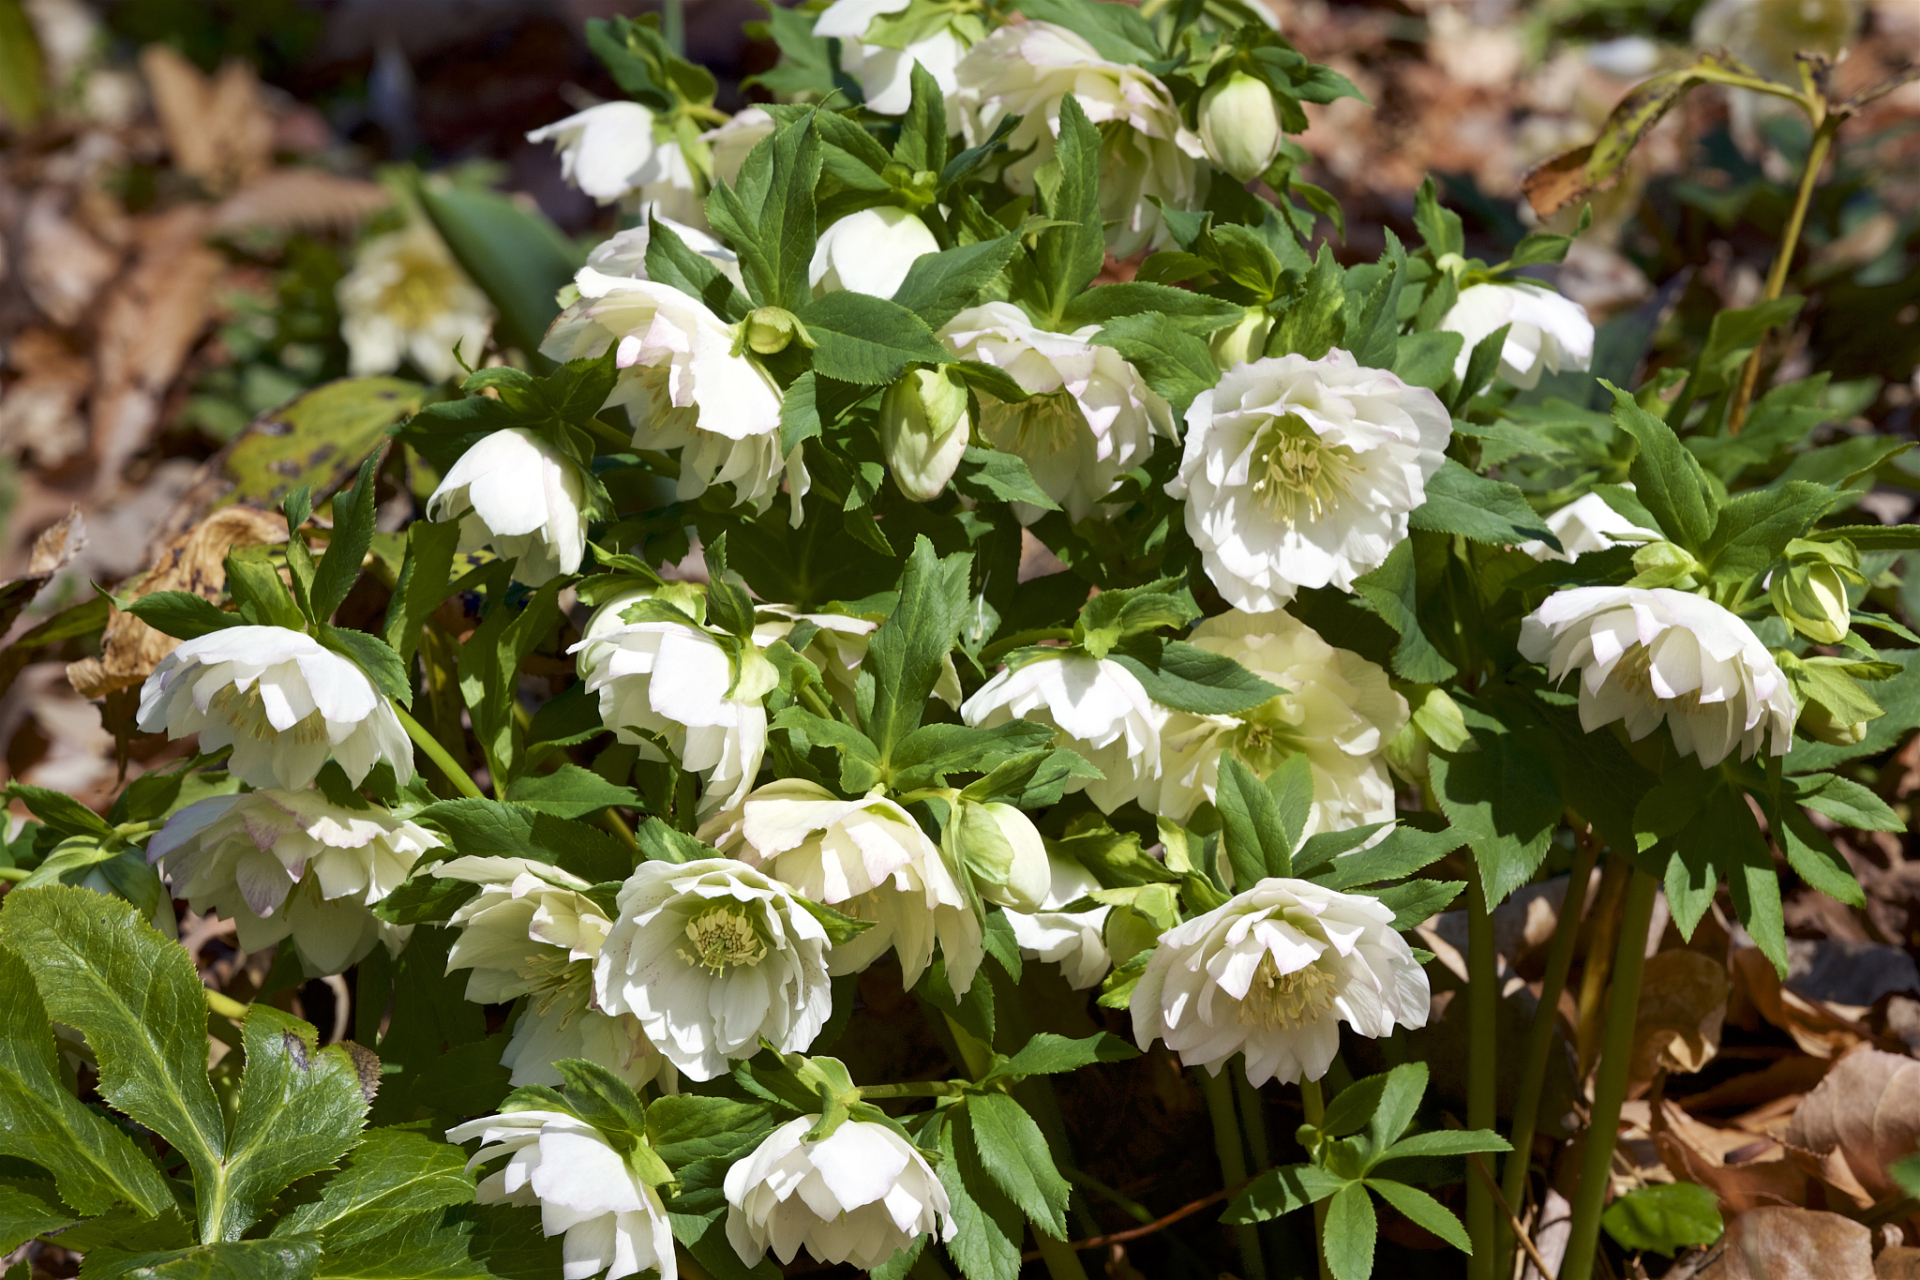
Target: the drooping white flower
(886, 74)
(1074, 940)
(283, 864)
(870, 251)
(1146, 152)
(1099, 708)
(732, 142)
(1301, 473)
(1090, 416)
(682, 386)
(532, 931)
(407, 299)
(1549, 332)
(711, 956)
(1585, 524)
(1338, 710)
(617, 148)
(869, 859)
(668, 682)
(1647, 655)
(860, 1195)
(1274, 972)
(518, 494)
(281, 701)
(612, 1220)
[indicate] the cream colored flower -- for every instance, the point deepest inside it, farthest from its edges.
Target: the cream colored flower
(732, 142)
(870, 251)
(886, 74)
(621, 148)
(1548, 332)
(407, 299)
(1074, 940)
(518, 494)
(1099, 708)
(1586, 524)
(1240, 125)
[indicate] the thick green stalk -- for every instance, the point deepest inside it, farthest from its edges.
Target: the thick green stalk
(1314, 1104)
(1483, 1065)
(438, 754)
(1610, 1081)
(1233, 1160)
(1533, 1071)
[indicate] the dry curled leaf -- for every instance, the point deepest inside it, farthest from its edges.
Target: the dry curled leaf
(1868, 1111)
(301, 200)
(1696, 1152)
(1683, 1004)
(1818, 1028)
(40, 413)
(195, 562)
(1780, 1243)
(55, 546)
(62, 265)
(218, 129)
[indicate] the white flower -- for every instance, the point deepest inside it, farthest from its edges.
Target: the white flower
(1301, 473)
(615, 148)
(625, 252)
(1337, 709)
(1240, 125)
(531, 931)
(406, 298)
(517, 493)
(870, 251)
(613, 1221)
(281, 701)
(1585, 524)
(1274, 972)
(1074, 940)
(885, 74)
(869, 859)
(925, 429)
(733, 141)
(1549, 331)
(1100, 710)
(1650, 655)
(1091, 416)
(1146, 153)
(285, 864)
(860, 1195)
(682, 386)
(712, 956)
(675, 682)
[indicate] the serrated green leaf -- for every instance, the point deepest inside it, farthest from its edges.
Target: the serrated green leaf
(571, 792)
(1422, 1210)
(906, 653)
(866, 340)
(393, 1175)
(182, 614)
(29, 1209)
(1349, 1233)
(989, 1228)
(939, 286)
(1186, 677)
(1261, 822)
(1014, 1153)
(1050, 1054)
(1667, 478)
(347, 545)
(1281, 1191)
(293, 1258)
(1493, 511)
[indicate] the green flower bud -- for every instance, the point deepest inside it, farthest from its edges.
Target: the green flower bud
(1245, 341)
(1240, 125)
(1819, 723)
(1001, 848)
(924, 429)
(1661, 564)
(1813, 600)
(769, 330)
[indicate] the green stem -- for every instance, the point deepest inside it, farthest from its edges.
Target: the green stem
(225, 1005)
(1533, 1071)
(1233, 1160)
(15, 874)
(914, 1089)
(1610, 1081)
(1001, 648)
(1314, 1104)
(1062, 1262)
(1253, 1122)
(438, 754)
(1483, 1062)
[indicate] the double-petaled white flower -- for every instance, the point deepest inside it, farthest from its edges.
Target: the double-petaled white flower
(683, 387)
(886, 74)
(1302, 473)
(281, 700)
(1074, 940)
(407, 299)
(618, 148)
(869, 859)
(612, 1220)
(1647, 655)
(1146, 153)
(1090, 415)
(1274, 972)
(532, 931)
(1336, 708)
(1586, 524)
(859, 1195)
(1099, 708)
(712, 956)
(673, 685)
(518, 494)
(1548, 331)
(283, 864)
(870, 251)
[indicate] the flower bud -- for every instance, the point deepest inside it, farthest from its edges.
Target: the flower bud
(1813, 600)
(1240, 125)
(1244, 341)
(1661, 564)
(1820, 724)
(768, 330)
(924, 427)
(1002, 850)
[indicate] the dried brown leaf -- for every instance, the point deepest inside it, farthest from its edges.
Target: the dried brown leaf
(1683, 1004)
(1818, 1028)
(301, 200)
(62, 265)
(1868, 1110)
(40, 413)
(1779, 1243)
(1897, 1263)
(1696, 1152)
(220, 129)
(52, 550)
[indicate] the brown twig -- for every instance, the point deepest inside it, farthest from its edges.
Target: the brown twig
(1513, 1219)
(1158, 1224)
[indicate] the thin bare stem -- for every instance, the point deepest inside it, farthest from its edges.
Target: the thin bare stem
(1218, 1091)
(1483, 1059)
(437, 753)
(1314, 1103)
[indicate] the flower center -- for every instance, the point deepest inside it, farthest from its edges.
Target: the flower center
(1285, 1001)
(1265, 736)
(1039, 427)
(555, 979)
(246, 711)
(1295, 474)
(721, 938)
(418, 294)
(1634, 673)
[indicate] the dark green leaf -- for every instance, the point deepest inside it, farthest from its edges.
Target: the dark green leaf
(1664, 1218)
(1014, 1154)
(293, 1258)
(866, 340)
(182, 614)
(516, 256)
(1186, 677)
(939, 286)
(1459, 501)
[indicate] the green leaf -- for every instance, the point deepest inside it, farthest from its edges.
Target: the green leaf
(182, 614)
(1314, 320)
(1392, 590)
(859, 757)
(425, 582)
(866, 340)
(1667, 478)
(1404, 850)
(59, 810)
(989, 1228)
(293, 1258)
(1001, 477)
(347, 546)
(1281, 1191)
(1050, 1054)
(393, 1175)
(1459, 501)
(1422, 1210)
(1814, 859)
(1261, 822)
(1124, 36)
(492, 828)
(1731, 339)
(1873, 537)
(923, 130)
(1847, 803)
(136, 997)
(1755, 527)
(259, 595)
(1186, 677)
(671, 262)
(571, 792)
(1196, 314)
(926, 756)
(1416, 900)
(1444, 1142)
(1014, 1154)
(372, 655)
(316, 440)
(1349, 1235)
(1175, 363)
(1504, 800)
(1068, 256)
(519, 259)
(557, 407)
(1664, 1218)
(939, 286)
(906, 653)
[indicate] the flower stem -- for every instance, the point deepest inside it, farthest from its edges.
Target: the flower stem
(1610, 1081)
(438, 754)
(1483, 1059)
(225, 1005)
(1062, 1262)
(914, 1089)
(1314, 1104)
(1233, 1160)
(1533, 1071)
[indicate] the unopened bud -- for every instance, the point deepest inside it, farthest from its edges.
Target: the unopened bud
(1003, 851)
(1240, 125)
(1245, 341)
(769, 330)
(1813, 600)
(924, 429)
(1818, 723)
(1661, 564)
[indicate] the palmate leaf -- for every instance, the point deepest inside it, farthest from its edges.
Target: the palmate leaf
(1014, 1153)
